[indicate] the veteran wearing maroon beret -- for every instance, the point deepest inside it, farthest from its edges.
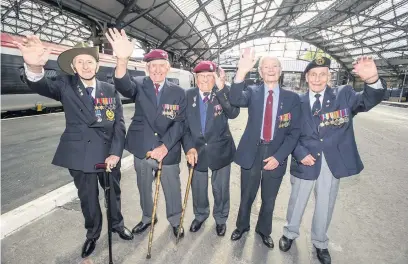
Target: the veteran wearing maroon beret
(208, 144)
(157, 126)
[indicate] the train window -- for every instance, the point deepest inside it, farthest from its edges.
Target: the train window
(174, 80)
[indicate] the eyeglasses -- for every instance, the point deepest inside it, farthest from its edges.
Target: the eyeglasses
(200, 76)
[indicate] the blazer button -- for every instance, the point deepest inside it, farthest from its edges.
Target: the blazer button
(321, 139)
(155, 134)
(80, 109)
(89, 141)
(206, 144)
(318, 154)
(104, 143)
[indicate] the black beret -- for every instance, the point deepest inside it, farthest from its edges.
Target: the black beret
(318, 62)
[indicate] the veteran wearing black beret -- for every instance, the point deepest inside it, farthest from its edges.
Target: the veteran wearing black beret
(327, 150)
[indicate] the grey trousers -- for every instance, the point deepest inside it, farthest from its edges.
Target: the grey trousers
(325, 189)
(220, 181)
(170, 182)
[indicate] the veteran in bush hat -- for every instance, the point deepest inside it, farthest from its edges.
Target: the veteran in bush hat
(95, 128)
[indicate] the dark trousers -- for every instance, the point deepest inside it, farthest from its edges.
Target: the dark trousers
(250, 180)
(88, 193)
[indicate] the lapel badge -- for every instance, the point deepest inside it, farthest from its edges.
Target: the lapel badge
(194, 103)
(281, 105)
(80, 90)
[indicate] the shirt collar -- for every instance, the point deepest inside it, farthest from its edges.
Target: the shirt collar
(312, 94)
(93, 84)
(202, 94)
(274, 89)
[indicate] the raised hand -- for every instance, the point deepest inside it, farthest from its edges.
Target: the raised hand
(220, 80)
(35, 54)
(365, 68)
(121, 45)
(246, 62)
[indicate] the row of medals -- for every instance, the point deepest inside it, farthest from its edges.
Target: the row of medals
(335, 122)
(110, 114)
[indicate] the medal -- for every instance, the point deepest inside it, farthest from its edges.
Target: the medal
(341, 120)
(322, 124)
(110, 115)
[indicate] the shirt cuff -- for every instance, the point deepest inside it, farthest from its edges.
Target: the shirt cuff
(376, 85)
(33, 76)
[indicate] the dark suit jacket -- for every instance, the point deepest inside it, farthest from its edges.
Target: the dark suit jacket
(337, 142)
(284, 139)
(85, 141)
(216, 147)
(154, 124)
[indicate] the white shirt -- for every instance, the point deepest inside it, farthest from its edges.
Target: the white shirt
(312, 99)
(202, 94)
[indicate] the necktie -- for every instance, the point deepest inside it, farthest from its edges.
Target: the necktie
(267, 128)
(317, 106)
(206, 94)
(157, 85)
(89, 92)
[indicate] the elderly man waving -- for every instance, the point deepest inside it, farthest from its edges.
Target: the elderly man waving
(327, 149)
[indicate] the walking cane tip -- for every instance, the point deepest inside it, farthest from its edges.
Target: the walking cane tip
(148, 256)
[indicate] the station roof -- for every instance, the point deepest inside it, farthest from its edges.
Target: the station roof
(199, 29)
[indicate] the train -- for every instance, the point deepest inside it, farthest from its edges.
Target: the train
(16, 96)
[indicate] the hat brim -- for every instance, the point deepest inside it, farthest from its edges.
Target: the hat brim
(65, 59)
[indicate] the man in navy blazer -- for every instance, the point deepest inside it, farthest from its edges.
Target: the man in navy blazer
(327, 149)
(157, 126)
(95, 128)
(208, 143)
(271, 134)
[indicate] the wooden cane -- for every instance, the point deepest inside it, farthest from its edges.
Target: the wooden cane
(190, 176)
(156, 197)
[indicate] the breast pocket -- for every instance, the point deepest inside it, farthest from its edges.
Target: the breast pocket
(67, 136)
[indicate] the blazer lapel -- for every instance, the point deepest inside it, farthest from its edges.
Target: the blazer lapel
(259, 97)
(80, 91)
(307, 112)
(281, 101)
(328, 100)
(150, 91)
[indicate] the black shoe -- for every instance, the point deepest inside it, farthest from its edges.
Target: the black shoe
(237, 234)
(88, 247)
(267, 240)
(175, 230)
(285, 243)
(195, 225)
(141, 227)
(323, 255)
(221, 229)
(124, 233)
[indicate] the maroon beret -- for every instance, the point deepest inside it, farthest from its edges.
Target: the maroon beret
(156, 54)
(205, 66)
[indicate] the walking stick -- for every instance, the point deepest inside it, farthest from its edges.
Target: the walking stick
(156, 198)
(190, 176)
(106, 175)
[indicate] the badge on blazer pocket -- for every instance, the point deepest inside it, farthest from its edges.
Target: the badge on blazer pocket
(284, 120)
(170, 111)
(217, 110)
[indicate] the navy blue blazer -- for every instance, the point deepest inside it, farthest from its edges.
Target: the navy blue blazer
(285, 138)
(154, 124)
(337, 142)
(216, 148)
(91, 134)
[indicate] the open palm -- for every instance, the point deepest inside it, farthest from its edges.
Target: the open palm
(33, 51)
(365, 68)
(121, 45)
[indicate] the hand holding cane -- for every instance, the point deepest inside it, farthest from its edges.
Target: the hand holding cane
(106, 174)
(190, 176)
(156, 197)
